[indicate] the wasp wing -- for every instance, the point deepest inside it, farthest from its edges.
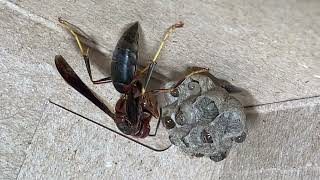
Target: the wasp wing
(73, 80)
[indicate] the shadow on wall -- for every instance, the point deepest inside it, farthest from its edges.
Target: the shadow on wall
(243, 96)
(102, 62)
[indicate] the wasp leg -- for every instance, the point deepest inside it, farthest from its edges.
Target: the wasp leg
(174, 87)
(153, 63)
(157, 127)
(100, 81)
(170, 30)
(85, 53)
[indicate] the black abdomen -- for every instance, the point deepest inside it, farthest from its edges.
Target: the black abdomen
(124, 59)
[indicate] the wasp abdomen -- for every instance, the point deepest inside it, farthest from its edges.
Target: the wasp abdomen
(123, 68)
(125, 57)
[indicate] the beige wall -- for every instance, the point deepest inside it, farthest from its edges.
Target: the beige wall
(270, 49)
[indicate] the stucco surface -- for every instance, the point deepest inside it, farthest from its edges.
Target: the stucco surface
(269, 49)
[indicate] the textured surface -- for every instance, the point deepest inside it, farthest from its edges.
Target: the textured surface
(284, 147)
(270, 49)
(24, 78)
(28, 78)
(280, 144)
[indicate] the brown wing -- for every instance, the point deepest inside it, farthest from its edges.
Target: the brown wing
(73, 80)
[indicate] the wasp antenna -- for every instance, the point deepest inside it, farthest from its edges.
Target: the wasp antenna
(110, 129)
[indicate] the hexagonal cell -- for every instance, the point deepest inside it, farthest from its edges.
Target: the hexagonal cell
(202, 119)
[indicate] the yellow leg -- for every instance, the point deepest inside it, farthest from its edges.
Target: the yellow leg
(68, 26)
(76, 32)
(170, 30)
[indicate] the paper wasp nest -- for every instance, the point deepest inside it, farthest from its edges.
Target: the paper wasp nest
(202, 119)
